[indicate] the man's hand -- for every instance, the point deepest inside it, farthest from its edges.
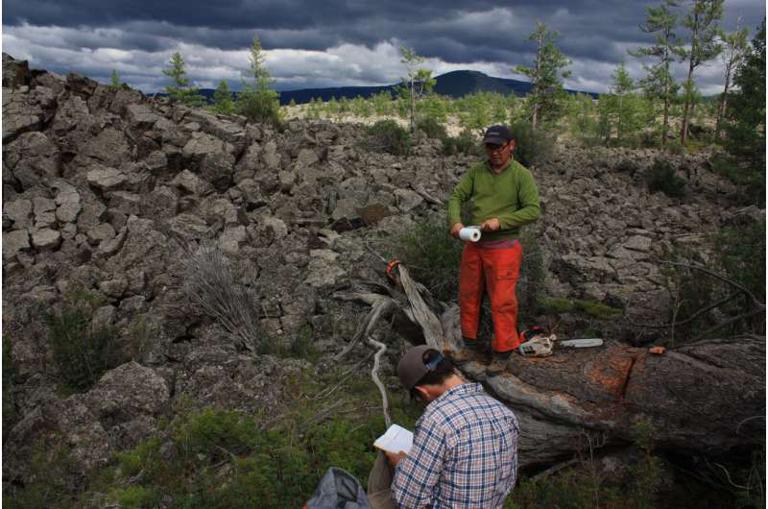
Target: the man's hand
(394, 457)
(455, 229)
(490, 225)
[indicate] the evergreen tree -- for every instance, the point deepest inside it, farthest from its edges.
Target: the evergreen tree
(180, 89)
(417, 82)
(622, 109)
(222, 99)
(746, 108)
(734, 48)
(546, 75)
(701, 21)
(659, 83)
(115, 80)
(257, 101)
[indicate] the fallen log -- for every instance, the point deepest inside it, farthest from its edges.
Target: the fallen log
(706, 397)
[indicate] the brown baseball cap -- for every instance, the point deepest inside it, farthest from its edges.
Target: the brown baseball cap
(411, 367)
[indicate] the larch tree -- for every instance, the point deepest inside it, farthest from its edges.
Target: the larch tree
(222, 99)
(704, 45)
(258, 101)
(734, 48)
(180, 89)
(417, 82)
(546, 74)
(658, 83)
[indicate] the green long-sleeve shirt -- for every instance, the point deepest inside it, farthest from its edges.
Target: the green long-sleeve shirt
(511, 196)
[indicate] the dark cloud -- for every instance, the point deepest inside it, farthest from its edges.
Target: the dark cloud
(449, 31)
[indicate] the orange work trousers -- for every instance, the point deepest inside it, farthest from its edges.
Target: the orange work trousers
(496, 270)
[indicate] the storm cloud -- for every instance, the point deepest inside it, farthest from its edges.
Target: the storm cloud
(333, 43)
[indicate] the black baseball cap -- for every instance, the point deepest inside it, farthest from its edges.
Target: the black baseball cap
(497, 135)
(412, 367)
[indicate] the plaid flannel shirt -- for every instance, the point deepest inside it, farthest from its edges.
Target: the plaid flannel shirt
(464, 453)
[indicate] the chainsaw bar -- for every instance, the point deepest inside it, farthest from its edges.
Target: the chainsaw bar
(581, 343)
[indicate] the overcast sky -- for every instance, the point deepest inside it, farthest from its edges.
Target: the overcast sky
(334, 42)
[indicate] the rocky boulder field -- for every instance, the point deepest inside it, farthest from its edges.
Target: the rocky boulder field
(113, 193)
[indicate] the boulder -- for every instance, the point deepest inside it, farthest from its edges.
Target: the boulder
(191, 183)
(107, 179)
(19, 212)
(15, 242)
(46, 238)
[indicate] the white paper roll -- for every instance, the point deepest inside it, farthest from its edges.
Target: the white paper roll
(469, 233)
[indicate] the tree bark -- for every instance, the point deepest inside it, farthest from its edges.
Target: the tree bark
(707, 396)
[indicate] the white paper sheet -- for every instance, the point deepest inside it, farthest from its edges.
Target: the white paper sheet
(395, 439)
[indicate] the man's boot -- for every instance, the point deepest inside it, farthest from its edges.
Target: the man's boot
(499, 363)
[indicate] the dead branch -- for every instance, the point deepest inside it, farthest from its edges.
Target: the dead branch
(690, 318)
(720, 277)
(379, 306)
(728, 322)
(375, 375)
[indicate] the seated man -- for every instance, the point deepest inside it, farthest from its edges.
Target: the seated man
(464, 451)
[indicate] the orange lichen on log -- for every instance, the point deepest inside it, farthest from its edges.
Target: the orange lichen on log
(611, 373)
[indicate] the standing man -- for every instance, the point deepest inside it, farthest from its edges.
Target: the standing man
(464, 453)
(504, 197)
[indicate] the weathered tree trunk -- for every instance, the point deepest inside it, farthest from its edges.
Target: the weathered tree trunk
(708, 396)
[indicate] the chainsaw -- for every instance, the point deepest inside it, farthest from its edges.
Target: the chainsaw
(537, 343)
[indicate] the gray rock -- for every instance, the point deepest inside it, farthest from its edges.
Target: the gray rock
(133, 305)
(222, 208)
(20, 212)
(34, 159)
(14, 242)
(127, 392)
(161, 203)
(271, 157)
(114, 288)
(408, 200)
(125, 202)
(201, 145)
(45, 209)
(107, 179)
(231, 238)
(109, 247)
(189, 226)
(638, 243)
(218, 169)
(100, 232)
(323, 269)
(68, 212)
(346, 208)
(141, 116)
(19, 116)
(191, 183)
(46, 238)
(92, 213)
(156, 161)
(110, 147)
(103, 317)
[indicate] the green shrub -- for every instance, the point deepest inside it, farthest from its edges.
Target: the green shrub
(533, 147)
(433, 257)
(82, 352)
(465, 143)
(388, 136)
(738, 255)
(742, 174)
(661, 177)
(432, 128)
(259, 104)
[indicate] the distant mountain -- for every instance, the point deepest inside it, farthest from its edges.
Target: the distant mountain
(454, 84)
